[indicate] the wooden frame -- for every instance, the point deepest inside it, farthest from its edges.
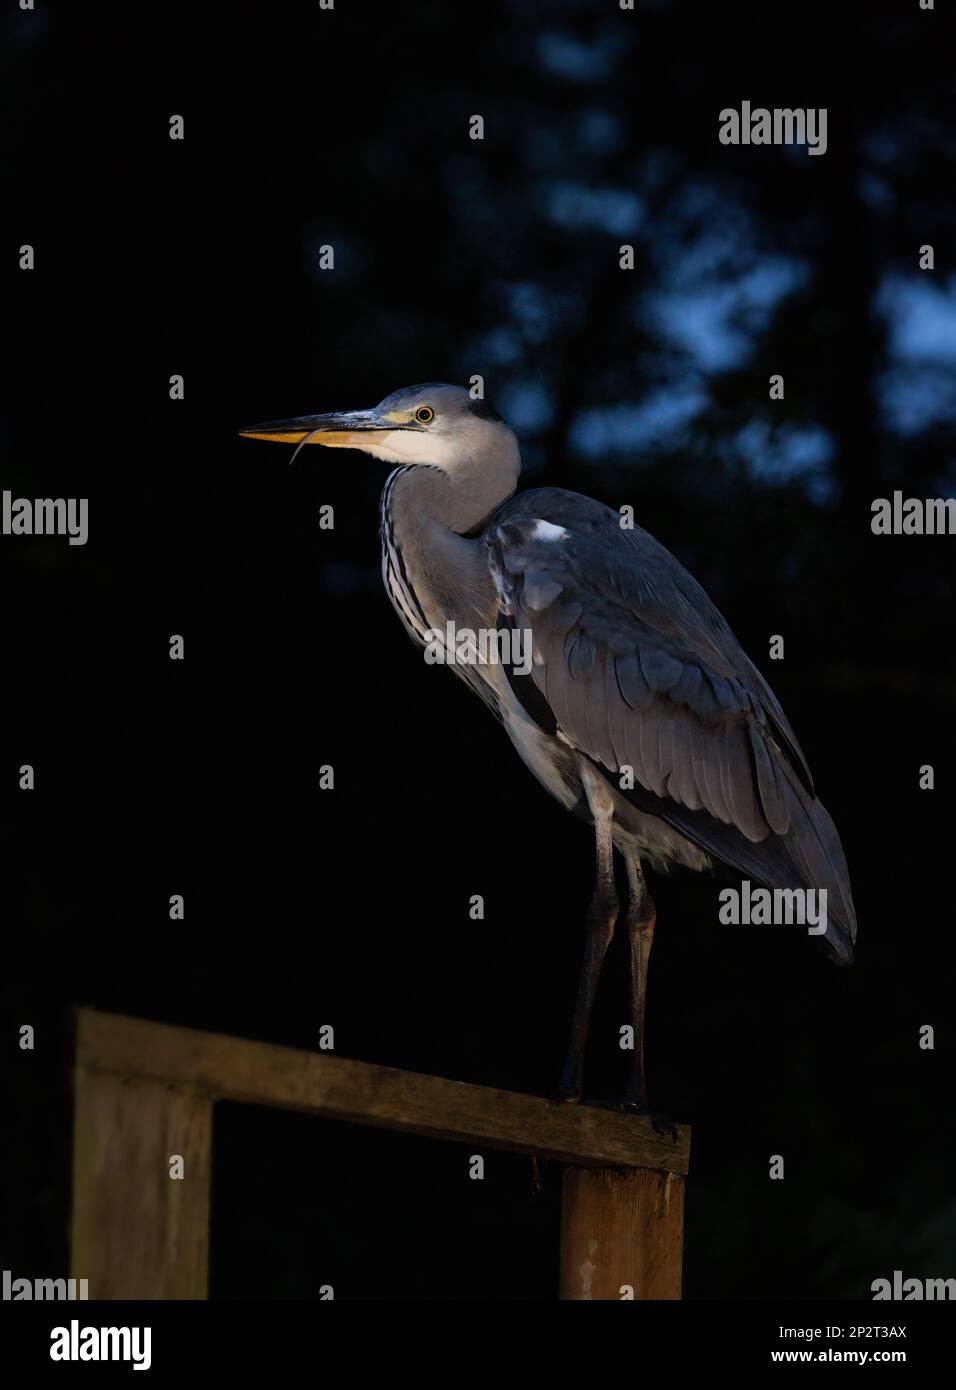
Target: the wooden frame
(145, 1091)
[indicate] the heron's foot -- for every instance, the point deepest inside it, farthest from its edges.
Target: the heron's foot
(567, 1092)
(571, 1086)
(661, 1123)
(594, 1102)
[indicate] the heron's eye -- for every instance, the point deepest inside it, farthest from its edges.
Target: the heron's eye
(424, 415)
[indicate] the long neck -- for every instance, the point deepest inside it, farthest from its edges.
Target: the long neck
(425, 513)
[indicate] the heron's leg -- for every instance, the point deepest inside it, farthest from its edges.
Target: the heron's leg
(602, 914)
(639, 919)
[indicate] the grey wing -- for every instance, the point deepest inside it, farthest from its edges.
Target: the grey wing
(638, 670)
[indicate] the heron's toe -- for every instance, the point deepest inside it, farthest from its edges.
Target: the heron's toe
(568, 1092)
(662, 1123)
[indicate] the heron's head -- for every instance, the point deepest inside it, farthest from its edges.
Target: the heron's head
(434, 424)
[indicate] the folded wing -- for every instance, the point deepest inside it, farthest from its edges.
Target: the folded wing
(637, 668)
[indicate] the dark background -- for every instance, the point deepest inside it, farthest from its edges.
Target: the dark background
(350, 907)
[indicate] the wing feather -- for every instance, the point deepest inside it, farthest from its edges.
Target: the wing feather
(639, 668)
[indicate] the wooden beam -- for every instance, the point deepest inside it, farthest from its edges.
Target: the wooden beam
(622, 1234)
(137, 1231)
(320, 1083)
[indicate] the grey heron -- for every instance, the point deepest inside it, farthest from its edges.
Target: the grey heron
(640, 712)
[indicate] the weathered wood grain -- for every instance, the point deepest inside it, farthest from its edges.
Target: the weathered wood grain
(621, 1231)
(237, 1069)
(137, 1232)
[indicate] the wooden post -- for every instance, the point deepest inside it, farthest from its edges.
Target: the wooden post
(622, 1233)
(138, 1232)
(144, 1092)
